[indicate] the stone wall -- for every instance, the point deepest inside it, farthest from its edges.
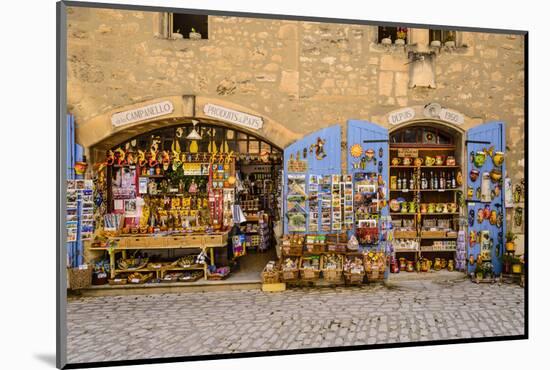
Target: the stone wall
(304, 75)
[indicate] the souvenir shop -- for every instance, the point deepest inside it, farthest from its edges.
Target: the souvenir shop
(192, 201)
(425, 197)
(201, 200)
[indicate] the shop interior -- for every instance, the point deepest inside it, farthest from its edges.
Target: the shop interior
(172, 196)
(426, 196)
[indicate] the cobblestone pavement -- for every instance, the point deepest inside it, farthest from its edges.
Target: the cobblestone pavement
(134, 327)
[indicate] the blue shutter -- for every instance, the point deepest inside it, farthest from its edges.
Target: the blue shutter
(479, 138)
(330, 164)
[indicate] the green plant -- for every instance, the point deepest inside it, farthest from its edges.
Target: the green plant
(510, 237)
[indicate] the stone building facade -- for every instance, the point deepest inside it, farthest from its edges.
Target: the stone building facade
(299, 76)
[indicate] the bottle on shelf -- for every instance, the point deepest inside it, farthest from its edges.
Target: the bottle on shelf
(436, 181)
(411, 182)
(448, 181)
(432, 180)
(399, 181)
(453, 181)
(442, 181)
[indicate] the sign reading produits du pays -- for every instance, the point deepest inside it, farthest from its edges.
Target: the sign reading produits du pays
(143, 113)
(233, 116)
(401, 115)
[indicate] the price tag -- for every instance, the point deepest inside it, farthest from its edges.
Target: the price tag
(405, 190)
(135, 281)
(441, 190)
(118, 280)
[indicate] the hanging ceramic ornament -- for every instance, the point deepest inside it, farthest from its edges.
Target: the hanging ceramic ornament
(380, 152)
(369, 154)
(459, 179)
(518, 216)
(485, 195)
(194, 136)
(471, 217)
(165, 160)
(320, 149)
(356, 150)
(478, 192)
(141, 161)
(480, 215)
(380, 167)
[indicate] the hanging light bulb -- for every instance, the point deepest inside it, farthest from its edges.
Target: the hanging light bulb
(194, 135)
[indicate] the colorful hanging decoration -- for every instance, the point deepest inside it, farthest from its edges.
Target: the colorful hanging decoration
(369, 154)
(320, 149)
(356, 150)
(120, 156)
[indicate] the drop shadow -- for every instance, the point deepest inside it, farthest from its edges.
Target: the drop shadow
(47, 358)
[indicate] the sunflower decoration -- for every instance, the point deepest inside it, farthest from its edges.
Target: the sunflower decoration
(490, 151)
(356, 150)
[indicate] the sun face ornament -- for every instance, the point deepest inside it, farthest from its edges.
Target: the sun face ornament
(356, 150)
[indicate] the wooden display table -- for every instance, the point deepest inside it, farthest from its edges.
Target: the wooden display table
(205, 242)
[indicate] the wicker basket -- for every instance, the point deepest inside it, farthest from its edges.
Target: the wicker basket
(292, 250)
(308, 274)
(140, 279)
(118, 281)
(337, 238)
(79, 278)
(315, 248)
(375, 269)
(354, 277)
(332, 275)
(271, 277)
(337, 247)
(289, 274)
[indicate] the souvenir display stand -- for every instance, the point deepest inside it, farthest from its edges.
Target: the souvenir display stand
(331, 217)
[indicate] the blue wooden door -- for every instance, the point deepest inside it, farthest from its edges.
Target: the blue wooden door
(369, 136)
(321, 154)
(484, 235)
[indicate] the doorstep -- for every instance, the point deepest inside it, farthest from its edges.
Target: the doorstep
(442, 275)
(176, 287)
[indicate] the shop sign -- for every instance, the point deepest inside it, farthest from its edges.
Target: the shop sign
(233, 116)
(451, 116)
(401, 115)
(143, 113)
(407, 152)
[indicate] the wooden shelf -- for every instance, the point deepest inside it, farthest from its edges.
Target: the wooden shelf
(429, 249)
(424, 147)
(402, 214)
(424, 166)
(440, 214)
(438, 237)
(405, 250)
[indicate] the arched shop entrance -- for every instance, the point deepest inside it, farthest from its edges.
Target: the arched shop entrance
(447, 194)
(426, 195)
(185, 179)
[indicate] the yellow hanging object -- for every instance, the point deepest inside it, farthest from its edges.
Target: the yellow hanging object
(194, 147)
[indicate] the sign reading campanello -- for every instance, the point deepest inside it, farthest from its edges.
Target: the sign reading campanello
(143, 113)
(233, 116)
